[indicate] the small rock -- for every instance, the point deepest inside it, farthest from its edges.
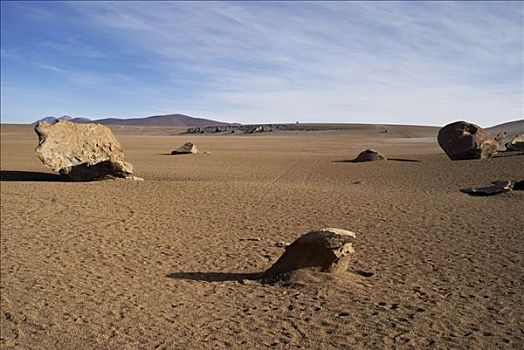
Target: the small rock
(186, 148)
(326, 250)
(255, 129)
(496, 188)
(370, 155)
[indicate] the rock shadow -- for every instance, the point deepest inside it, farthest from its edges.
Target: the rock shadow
(388, 160)
(174, 154)
(15, 175)
(364, 273)
(404, 160)
(215, 276)
(504, 154)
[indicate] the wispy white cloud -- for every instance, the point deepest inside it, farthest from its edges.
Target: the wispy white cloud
(86, 77)
(73, 46)
(423, 63)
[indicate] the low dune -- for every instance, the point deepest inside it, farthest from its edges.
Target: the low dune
(171, 262)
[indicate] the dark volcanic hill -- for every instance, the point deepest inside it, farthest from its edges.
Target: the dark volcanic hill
(160, 120)
(163, 120)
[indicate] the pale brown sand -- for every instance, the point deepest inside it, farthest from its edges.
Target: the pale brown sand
(162, 263)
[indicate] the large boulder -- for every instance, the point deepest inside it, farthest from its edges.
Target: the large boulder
(516, 144)
(462, 140)
(186, 148)
(82, 152)
(325, 250)
(369, 155)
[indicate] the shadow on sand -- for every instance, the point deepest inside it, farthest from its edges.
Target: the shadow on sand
(503, 154)
(14, 175)
(214, 276)
(389, 159)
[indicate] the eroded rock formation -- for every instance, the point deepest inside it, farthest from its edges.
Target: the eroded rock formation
(326, 250)
(462, 140)
(82, 152)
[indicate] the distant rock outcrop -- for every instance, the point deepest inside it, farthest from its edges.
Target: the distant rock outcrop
(516, 144)
(369, 155)
(186, 148)
(462, 140)
(82, 152)
(255, 129)
(325, 250)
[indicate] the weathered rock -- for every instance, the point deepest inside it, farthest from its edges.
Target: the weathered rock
(195, 131)
(500, 136)
(369, 155)
(516, 144)
(82, 152)
(496, 188)
(326, 250)
(255, 129)
(462, 140)
(186, 148)
(518, 185)
(103, 170)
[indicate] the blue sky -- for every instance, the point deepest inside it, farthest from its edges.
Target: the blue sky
(252, 62)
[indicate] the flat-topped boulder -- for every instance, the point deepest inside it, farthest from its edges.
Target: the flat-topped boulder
(369, 155)
(82, 152)
(325, 250)
(462, 140)
(186, 148)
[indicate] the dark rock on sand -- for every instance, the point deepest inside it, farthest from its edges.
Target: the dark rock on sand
(326, 250)
(516, 144)
(370, 155)
(462, 140)
(496, 188)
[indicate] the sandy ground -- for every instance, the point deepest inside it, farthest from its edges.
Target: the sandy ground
(165, 263)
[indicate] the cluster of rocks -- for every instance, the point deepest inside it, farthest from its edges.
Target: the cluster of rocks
(210, 129)
(82, 152)
(231, 129)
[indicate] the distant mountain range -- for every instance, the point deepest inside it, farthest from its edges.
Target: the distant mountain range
(162, 120)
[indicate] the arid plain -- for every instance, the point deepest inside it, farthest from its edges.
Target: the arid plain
(166, 263)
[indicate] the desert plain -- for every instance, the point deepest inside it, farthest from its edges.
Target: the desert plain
(168, 262)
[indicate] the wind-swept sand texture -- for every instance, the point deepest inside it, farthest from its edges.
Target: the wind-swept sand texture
(166, 263)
